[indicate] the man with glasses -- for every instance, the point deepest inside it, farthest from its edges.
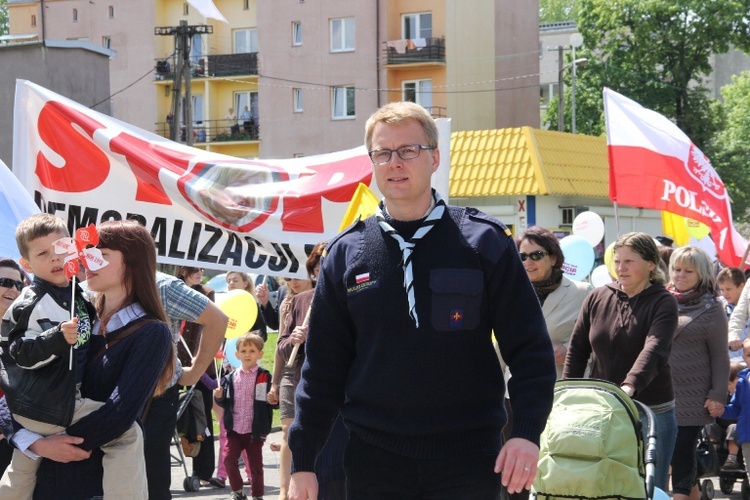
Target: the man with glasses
(400, 339)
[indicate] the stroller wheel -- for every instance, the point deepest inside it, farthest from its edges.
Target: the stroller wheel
(726, 484)
(192, 483)
(707, 489)
(745, 489)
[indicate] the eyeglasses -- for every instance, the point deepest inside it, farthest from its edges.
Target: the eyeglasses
(408, 152)
(9, 283)
(536, 255)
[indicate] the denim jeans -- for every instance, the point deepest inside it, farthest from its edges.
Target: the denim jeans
(666, 435)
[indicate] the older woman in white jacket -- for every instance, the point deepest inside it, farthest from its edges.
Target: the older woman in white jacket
(561, 297)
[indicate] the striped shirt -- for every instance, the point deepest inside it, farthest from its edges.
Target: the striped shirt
(244, 399)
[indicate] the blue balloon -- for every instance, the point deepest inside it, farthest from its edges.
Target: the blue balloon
(579, 257)
(230, 353)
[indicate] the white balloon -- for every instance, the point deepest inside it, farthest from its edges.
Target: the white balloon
(600, 276)
(590, 226)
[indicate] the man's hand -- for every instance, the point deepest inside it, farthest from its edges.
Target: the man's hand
(214, 323)
(60, 448)
(735, 344)
(517, 461)
(303, 486)
(69, 330)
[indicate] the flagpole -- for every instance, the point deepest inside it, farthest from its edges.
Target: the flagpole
(744, 257)
(617, 219)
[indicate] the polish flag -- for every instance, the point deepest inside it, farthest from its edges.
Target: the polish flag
(653, 164)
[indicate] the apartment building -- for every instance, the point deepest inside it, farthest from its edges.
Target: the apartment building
(310, 72)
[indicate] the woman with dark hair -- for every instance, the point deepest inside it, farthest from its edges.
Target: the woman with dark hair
(560, 297)
(625, 329)
(285, 378)
(12, 281)
(699, 360)
(203, 462)
(130, 358)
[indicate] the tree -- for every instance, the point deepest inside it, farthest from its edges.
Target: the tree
(730, 152)
(656, 52)
(3, 17)
(551, 11)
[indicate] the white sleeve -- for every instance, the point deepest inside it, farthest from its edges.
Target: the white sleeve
(738, 319)
(23, 439)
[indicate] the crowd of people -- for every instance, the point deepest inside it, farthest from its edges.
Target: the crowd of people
(393, 358)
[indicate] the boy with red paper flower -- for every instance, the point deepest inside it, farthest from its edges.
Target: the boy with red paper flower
(38, 334)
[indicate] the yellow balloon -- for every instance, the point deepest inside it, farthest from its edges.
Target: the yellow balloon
(609, 259)
(696, 229)
(241, 309)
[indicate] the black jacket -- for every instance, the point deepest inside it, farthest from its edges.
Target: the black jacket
(262, 410)
(35, 372)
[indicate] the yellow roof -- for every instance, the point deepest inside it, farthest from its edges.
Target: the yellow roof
(527, 161)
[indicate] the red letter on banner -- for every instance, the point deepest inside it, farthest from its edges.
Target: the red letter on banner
(86, 166)
(146, 160)
(304, 213)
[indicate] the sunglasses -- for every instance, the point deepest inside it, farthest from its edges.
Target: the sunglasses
(9, 283)
(535, 256)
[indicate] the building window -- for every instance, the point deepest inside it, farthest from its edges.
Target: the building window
(419, 91)
(185, 9)
(342, 34)
(296, 33)
(75, 15)
(111, 12)
(343, 102)
(417, 25)
(245, 4)
(245, 40)
(106, 42)
(567, 215)
(33, 20)
(249, 100)
(299, 104)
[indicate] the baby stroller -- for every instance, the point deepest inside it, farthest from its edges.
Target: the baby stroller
(708, 465)
(593, 445)
(711, 454)
(190, 433)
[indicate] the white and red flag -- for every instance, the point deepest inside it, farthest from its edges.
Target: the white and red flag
(653, 164)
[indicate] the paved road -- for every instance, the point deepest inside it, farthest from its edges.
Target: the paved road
(271, 466)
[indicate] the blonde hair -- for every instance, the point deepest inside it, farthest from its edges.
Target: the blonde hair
(698, 260)
(250, 288)
(396, 113)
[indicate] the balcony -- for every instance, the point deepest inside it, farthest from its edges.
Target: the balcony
(211, 131)
(211, 65)
(415, 51)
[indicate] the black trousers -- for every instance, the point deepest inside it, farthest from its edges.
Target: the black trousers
(205, 463)
(374, 473)
(158, 429)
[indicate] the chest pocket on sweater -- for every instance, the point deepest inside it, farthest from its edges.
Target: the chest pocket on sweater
(456, 298)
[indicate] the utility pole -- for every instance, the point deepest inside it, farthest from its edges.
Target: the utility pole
(560, 102)
(183, 34)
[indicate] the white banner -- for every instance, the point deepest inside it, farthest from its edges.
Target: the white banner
(203, 208)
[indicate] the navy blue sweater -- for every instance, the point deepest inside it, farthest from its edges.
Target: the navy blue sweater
(124, 378)
(436, 390)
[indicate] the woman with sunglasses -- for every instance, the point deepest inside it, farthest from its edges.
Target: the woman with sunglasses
(560, 297)
(625, 330)
(11, 284)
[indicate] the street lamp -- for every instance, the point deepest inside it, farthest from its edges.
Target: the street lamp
(560, 104)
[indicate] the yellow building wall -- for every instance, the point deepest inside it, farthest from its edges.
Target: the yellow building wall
(398, 7)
